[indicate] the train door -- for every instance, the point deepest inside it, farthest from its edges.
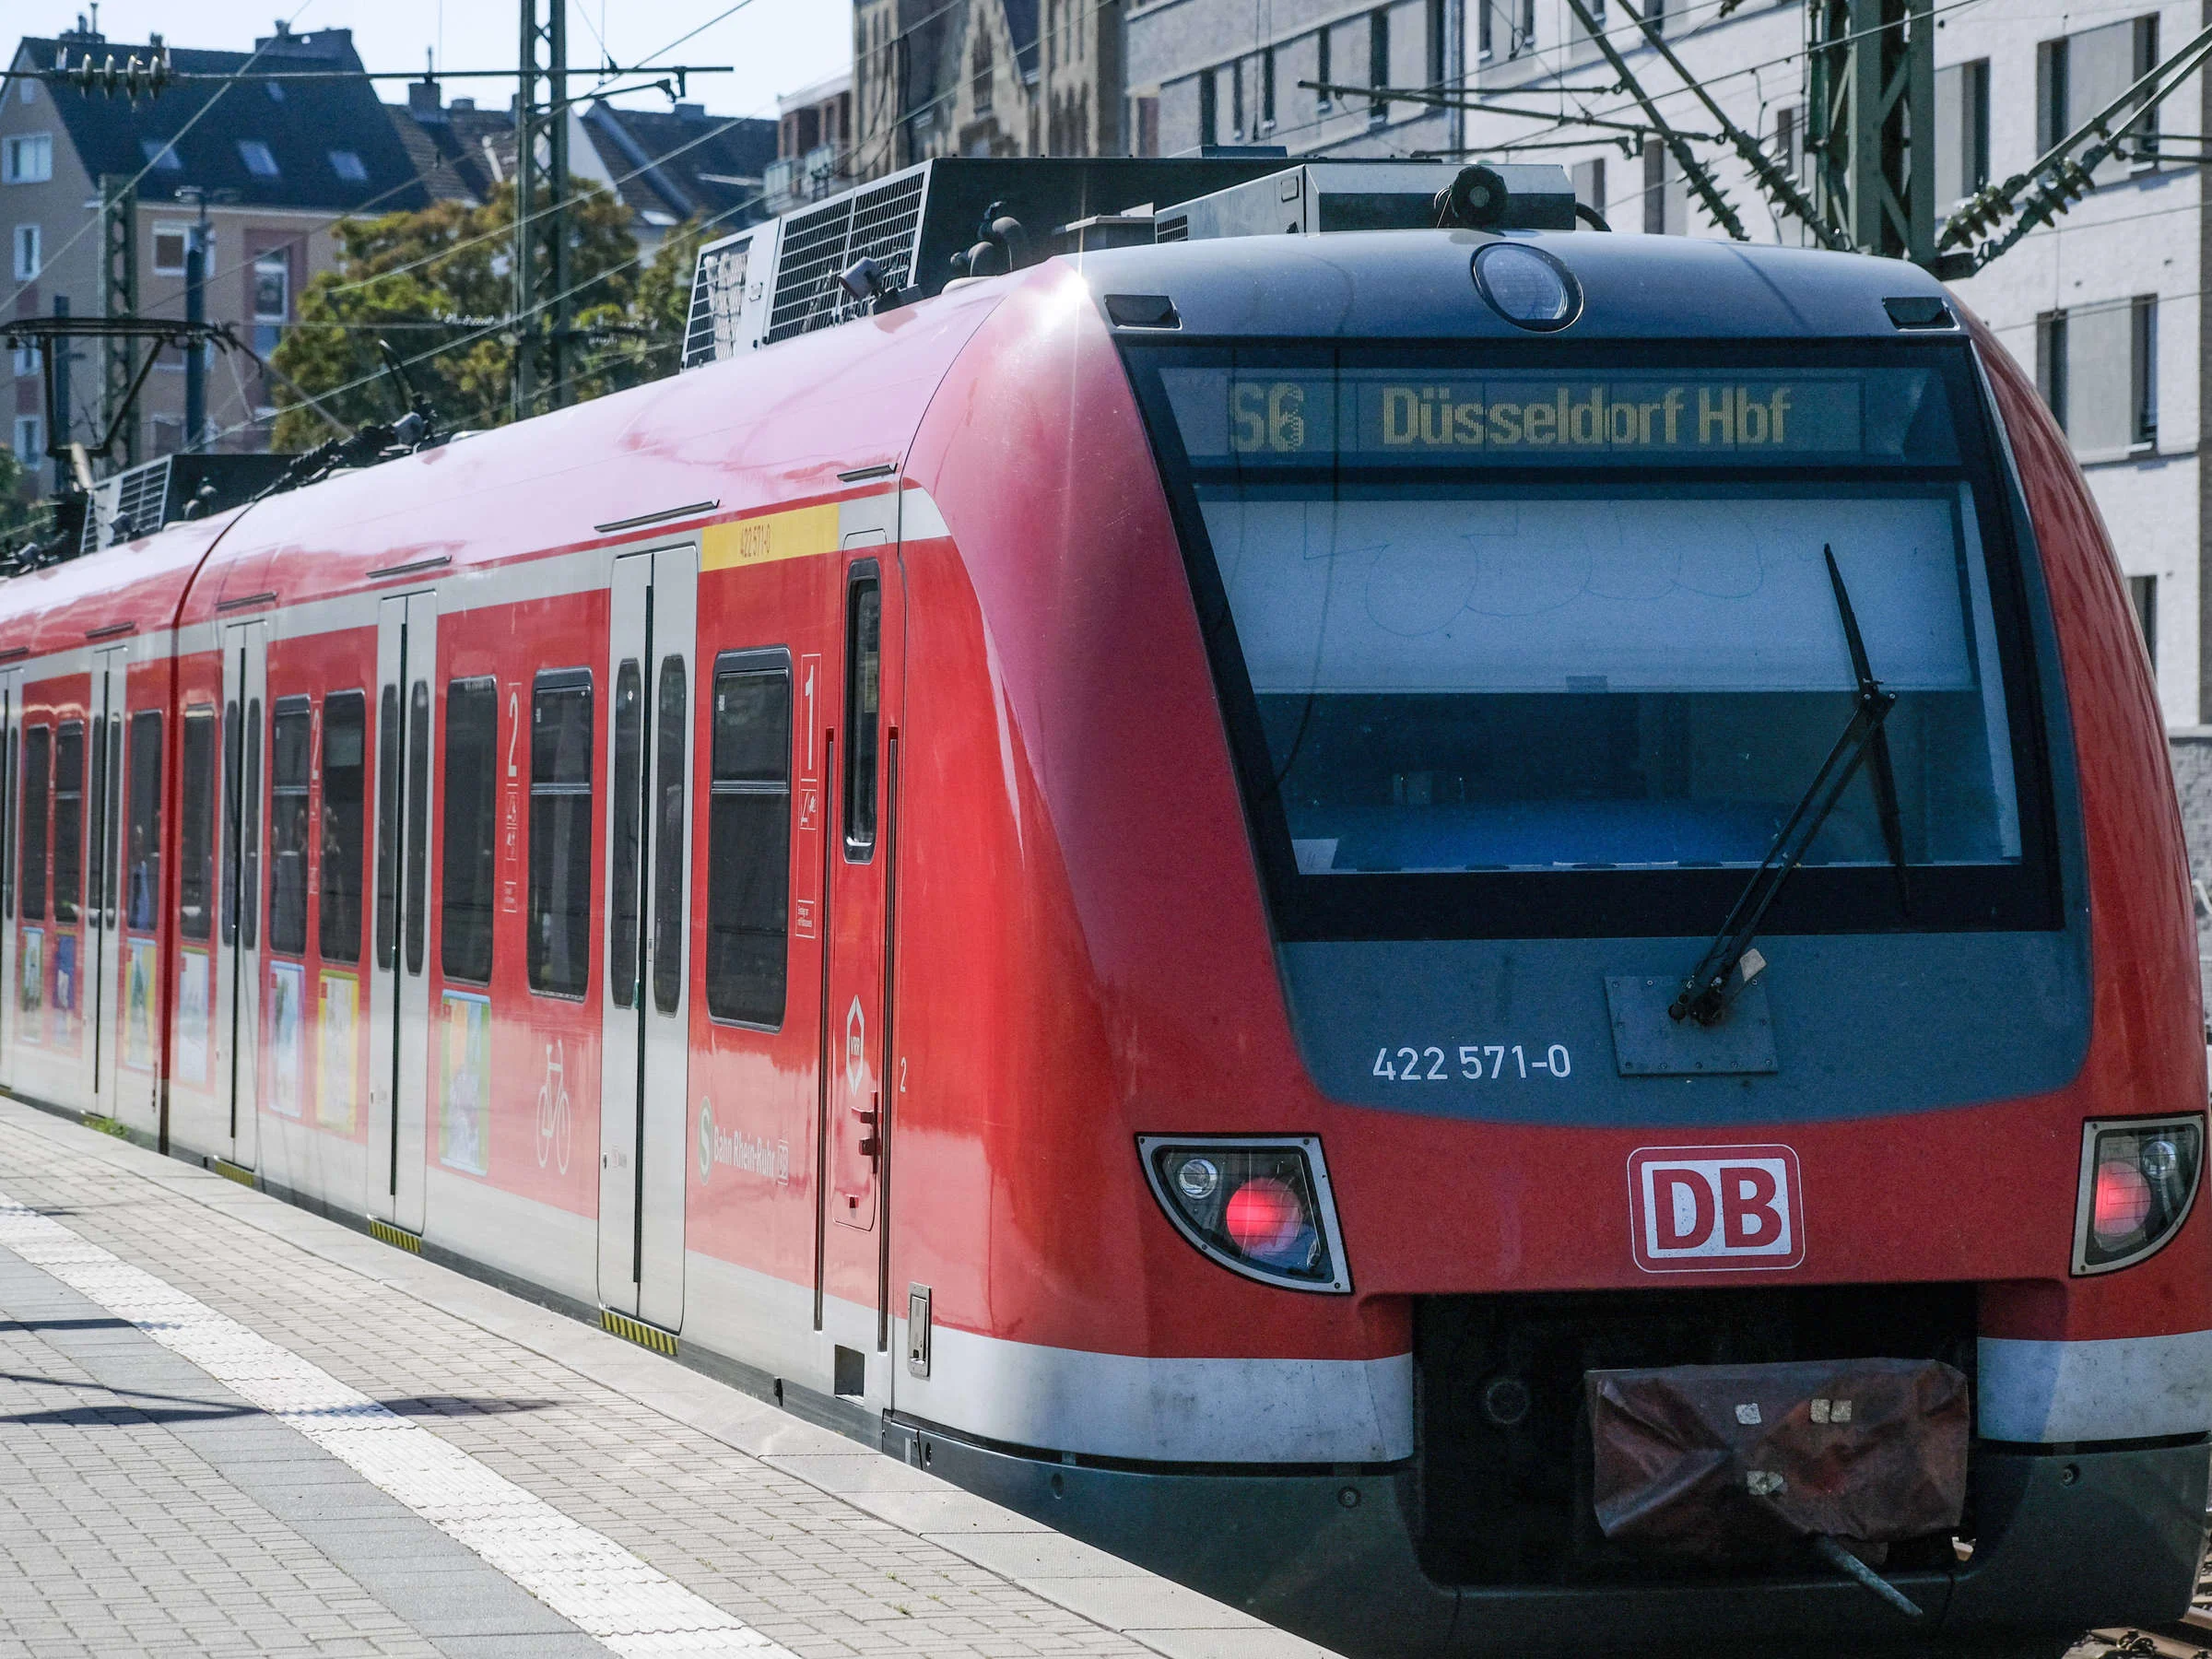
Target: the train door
(238, 948)
(103, 936)
(399, 994)
(645, 1076)
(11, 766)
(859, 1085)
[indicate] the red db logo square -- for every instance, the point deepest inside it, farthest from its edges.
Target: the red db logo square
(1706, 1209)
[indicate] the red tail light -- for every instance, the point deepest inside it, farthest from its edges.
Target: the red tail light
(1264, 1218)
(2123, 1203)
(1260, 1208)
(2138, 1180)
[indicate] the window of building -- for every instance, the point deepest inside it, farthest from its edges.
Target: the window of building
(2143, 599)
(31, 437)
(257, 159)
(272, 299)
(30, 84)
(24, 359)
(2097, 369)
(1590, 184)
(27, 158)
(1321, 71)
(560, 832)
(2078, 75)
(1435, 54)
(170, 242)
(1666, 197)
(1524, 37)
(1147, 126)
(291, 763)
(345, 797)
(28, 258)
(1268, 90)
(1789, 140)
(749, 838)
(37, 779)
(68, 820)
(1961, 131)
(161, 155)
(1378, 62)
(348, 166)
(1581, 45)
(627, 832)
(1209, 109)
(195, 850)
(980, 74)
(470, 822)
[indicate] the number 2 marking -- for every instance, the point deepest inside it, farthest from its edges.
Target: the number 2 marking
(1436, 1067)
(1409, 1073)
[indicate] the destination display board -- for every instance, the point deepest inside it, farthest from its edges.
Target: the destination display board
(1246, 416)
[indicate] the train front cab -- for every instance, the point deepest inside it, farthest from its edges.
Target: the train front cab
(1519, 650)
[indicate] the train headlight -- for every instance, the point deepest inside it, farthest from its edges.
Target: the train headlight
(2138, 1178)
(1260, 1208)
(1527, 287)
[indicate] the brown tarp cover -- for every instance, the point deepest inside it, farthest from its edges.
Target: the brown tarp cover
(1724, 1462)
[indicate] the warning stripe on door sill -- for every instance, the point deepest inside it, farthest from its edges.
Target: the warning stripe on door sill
(389, 1234)
(230, 1172)
(638, 1332)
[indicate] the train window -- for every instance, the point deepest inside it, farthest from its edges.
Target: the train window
(143, 878)
(387, 826)
(627, 823)
(418, 821)
(291, 761)
(345, 777)
(9, 795)
(864, 685)
(671, 743)
(560, 832)
(471, 827)
(249, 834)
(97, 884)
(195, 850)
(68, 820)
(37, 779)
(749, 838)
(230, 763)
(113, 837)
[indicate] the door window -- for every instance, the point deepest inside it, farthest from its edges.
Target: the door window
(97, 888)
(670, 742)
(472, 734)
(195, 872)
(292, 754)
(37, 778)
(111, 836)
(418, 821)
(249, 893)
(560, 832)
(345, 778)
(749, 838)
(628, 823)
(387, 826)
(68, 820)
(231, 759)
(863, 684)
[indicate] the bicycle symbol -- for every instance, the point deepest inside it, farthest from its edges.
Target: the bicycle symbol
(553, 1110)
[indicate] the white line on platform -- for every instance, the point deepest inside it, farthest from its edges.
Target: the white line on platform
(587, 1578)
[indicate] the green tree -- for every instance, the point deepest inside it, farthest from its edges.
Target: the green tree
(18, 490)
(437, 280)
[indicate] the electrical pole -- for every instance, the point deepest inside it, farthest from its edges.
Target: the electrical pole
(1871, 67)
(541, 194)
(59, 415)
(195, 310)
(119, 298)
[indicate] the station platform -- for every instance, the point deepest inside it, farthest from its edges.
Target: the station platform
(231, 1426)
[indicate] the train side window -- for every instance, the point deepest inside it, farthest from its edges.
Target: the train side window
(560, 832)
(96, 885)
(418, 821)
(629, 787)
(671, 741)
(345, 778)
(37, 779)
(195, 868)
(387, 826)
(230, 763)
(144, 875)
(11, 797)
(68, 820)
(113, 837)
(249, 837)
(291, 758)
(749, 838)
(864, 686)
(471, 753)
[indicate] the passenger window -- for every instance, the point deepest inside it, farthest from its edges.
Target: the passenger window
(248, 821)
(671, 741)
(37, 778)
(144, 875)
(418, 821)
(560, 832)
(292, 754)
(68, 820)
(387, 826)
(95, 888)
(345, 777)
(471, 745)
(195, 870)
(863, 678)
(749, 838)
(231, 764)
(629, 814)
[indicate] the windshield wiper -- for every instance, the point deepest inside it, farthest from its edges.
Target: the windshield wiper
(1706, 994)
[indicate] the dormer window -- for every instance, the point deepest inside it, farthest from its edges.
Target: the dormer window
(161, 155)
(348, 166)
(256, 155)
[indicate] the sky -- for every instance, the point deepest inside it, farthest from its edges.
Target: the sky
(775, 46)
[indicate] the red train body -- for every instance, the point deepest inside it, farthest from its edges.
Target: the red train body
(762, 859)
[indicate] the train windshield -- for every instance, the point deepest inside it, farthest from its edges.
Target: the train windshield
(1484, 621)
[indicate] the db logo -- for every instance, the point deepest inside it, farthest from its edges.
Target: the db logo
(1703, 1210)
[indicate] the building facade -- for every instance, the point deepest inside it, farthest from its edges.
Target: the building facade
(814, 144)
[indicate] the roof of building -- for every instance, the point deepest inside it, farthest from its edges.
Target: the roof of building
(326, 145)
(463, 153)
(673, 165)
(1021, 25)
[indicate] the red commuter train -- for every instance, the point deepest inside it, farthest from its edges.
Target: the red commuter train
(1088, 878)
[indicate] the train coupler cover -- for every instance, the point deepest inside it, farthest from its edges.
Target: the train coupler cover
(1746, 1463)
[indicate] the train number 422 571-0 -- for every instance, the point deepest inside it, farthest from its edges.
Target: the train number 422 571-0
(1476, 1063)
